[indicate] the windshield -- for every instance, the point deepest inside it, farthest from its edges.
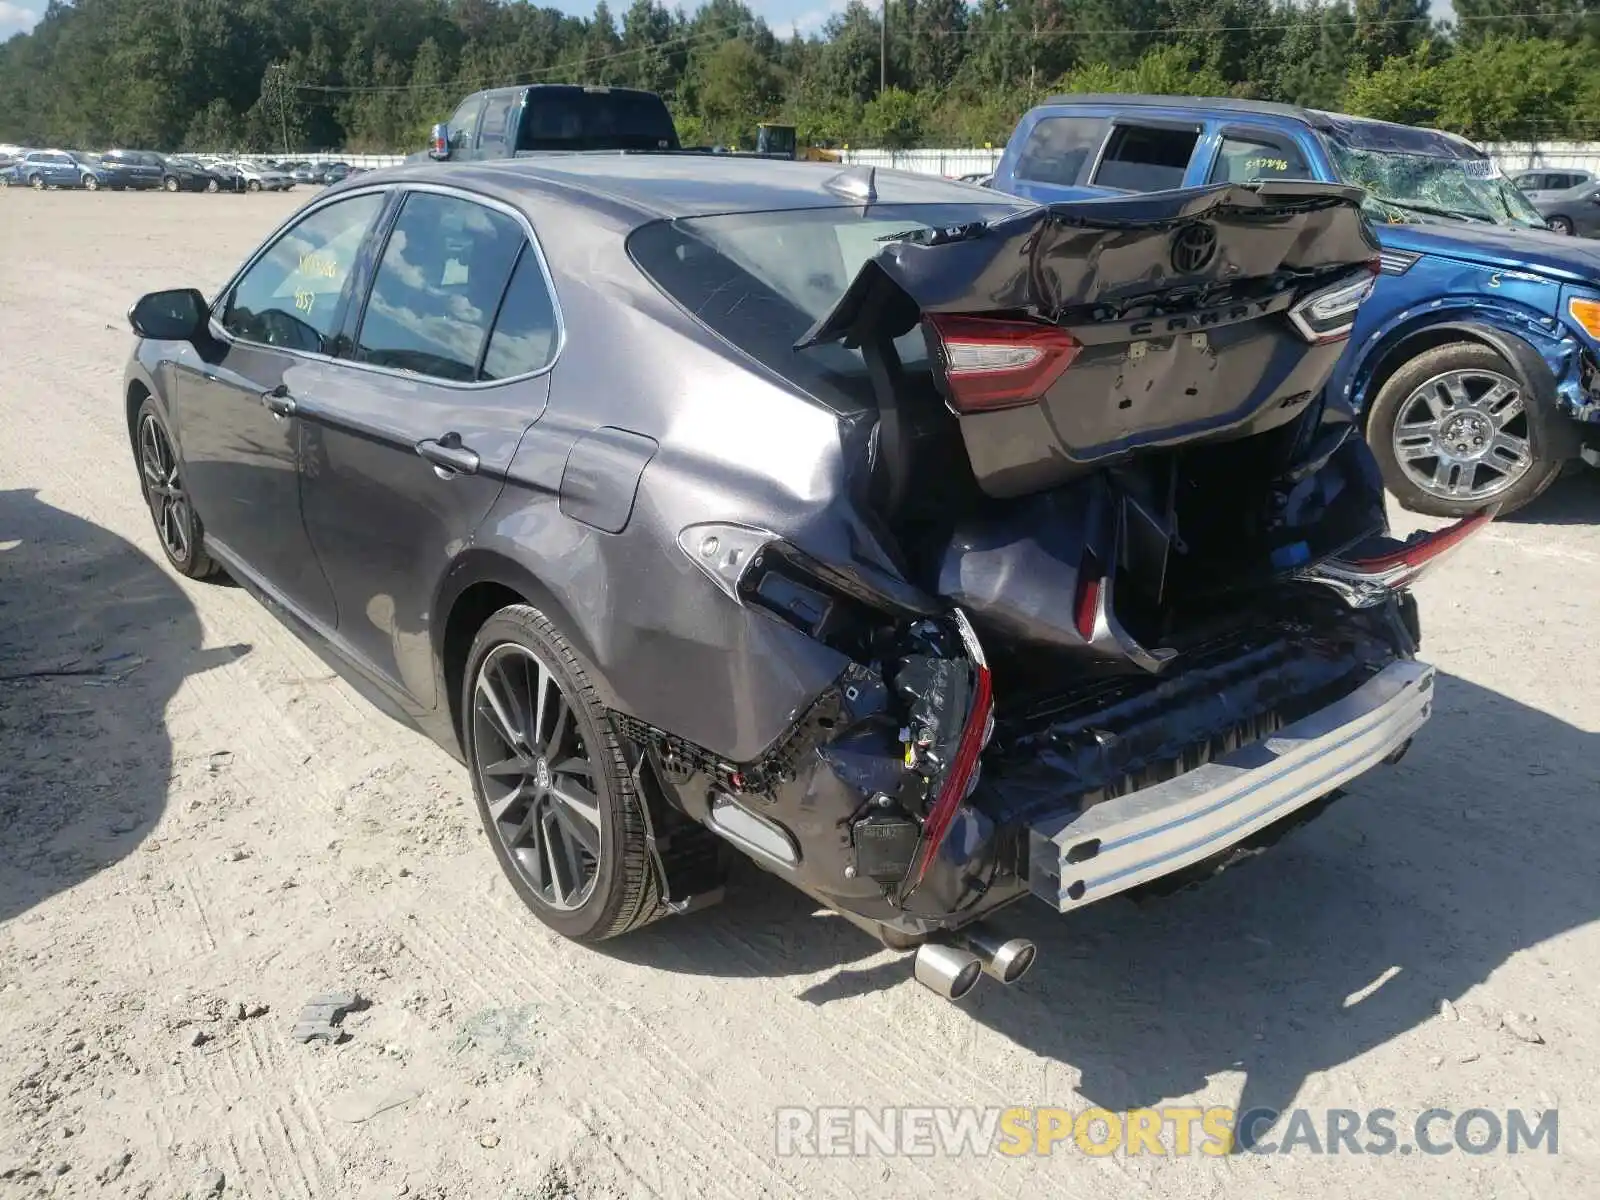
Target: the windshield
(761, 280)
(1404, 187)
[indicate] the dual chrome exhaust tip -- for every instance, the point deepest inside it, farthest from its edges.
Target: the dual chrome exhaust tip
(952, 971)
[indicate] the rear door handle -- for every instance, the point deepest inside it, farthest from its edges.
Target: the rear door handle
(278, 401)
(449, 456)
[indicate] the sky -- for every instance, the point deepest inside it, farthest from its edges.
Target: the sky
(782, 15)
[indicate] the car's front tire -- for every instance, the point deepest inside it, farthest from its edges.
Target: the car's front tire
(170, 183)
(253, 186)
(1561, 225)
(178, 526)
(1452, 435)
(91, 184)
(553, 789)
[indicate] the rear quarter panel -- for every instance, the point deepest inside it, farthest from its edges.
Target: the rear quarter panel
(732, 444)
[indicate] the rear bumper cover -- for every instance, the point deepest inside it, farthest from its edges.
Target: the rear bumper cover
(1079, 857)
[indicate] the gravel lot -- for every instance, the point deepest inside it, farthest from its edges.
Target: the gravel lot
(201, 828)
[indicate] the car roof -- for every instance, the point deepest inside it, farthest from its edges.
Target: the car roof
(1410, 137)
(687, 185)
(1265, 108)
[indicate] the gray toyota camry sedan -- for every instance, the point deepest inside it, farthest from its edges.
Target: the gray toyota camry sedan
(930, 549)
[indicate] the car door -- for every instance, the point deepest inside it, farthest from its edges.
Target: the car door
(1245, 153)
(447, 367)
(1146, 154)
(1053, 157)
(274, 329)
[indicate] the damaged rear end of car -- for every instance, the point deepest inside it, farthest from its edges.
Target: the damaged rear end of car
(1141, 614)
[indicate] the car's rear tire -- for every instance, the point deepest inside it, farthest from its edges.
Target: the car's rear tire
(178, 526)
(1561, 225)
(1452, 435)
(213, 186)
(253, 186)
(91, 184)
(36, 182)
(553, 789)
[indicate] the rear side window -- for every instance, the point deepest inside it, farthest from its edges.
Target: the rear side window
(1242, 159)
(496, 112)
(438, 286)
(525, 333)
(1142, 158)
(1059, 149)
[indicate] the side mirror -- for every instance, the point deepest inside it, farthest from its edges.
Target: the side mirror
(439, 143)
(175, 316)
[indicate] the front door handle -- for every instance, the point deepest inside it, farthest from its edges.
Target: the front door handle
(448, 456)
(278, 401)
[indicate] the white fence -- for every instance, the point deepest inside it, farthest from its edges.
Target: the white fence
(1519, 156)
(950, 163)
(1512, 156)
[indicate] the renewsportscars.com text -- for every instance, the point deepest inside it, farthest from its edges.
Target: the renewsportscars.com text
(1172, 1130)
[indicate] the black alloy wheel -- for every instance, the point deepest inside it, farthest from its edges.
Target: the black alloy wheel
(553, 789)
(177, 525)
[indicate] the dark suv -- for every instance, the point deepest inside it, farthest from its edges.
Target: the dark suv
(1474, 364)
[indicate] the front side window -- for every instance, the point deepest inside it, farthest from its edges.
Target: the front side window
(1143, 158)
(292, 295)
(1245, 159)
(438, 287)
(1059, 149)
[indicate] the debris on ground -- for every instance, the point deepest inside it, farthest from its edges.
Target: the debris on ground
(320, 1018)
(208, 1184)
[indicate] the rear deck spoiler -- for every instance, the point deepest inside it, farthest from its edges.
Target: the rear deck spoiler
(1084, 253)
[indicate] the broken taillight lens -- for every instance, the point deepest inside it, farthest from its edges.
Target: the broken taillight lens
(1328, 315)
(962, 775)
(993, 364)
(1366, 581)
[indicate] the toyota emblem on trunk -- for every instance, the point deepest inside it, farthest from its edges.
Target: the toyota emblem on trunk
(1193, 248)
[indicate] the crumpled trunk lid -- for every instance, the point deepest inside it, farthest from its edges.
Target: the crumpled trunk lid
(1151, 320)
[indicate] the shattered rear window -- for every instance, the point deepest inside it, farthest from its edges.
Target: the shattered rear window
(761, 280)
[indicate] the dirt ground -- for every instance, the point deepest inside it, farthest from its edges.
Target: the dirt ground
(201, 828)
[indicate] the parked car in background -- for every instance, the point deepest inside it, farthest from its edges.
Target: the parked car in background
(1574, 211)
(141, 170)
(1544, 182)
(335, 172)
(963, 601)
(305, 173)
(181, 174)
(506, 122)
(40, 169)
(1475, 365)
(262, 179)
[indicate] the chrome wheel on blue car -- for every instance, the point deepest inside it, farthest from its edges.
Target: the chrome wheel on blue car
(1452, 433)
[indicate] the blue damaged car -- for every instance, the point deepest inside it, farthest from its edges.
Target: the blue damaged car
(1474, 362)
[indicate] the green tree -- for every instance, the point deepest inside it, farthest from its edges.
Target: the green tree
(894, 119)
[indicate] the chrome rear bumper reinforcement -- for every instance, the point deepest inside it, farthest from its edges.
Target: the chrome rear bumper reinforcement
(1076, 858)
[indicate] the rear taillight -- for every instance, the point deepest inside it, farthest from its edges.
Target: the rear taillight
(1367, 581)
(991, 364)
(962, 776)
(1328, 315)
